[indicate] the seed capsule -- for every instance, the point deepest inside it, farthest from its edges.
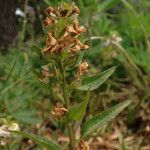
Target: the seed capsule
(83, 68)
(82, 145)
(48, 21)
(59, 111)
(49, 10)
(76, 10)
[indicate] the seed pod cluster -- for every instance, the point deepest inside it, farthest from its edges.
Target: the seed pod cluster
(59, 111)
(62, 47)
(63, 30)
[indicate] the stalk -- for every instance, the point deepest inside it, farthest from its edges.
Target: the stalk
(62, 29)
(23, 24)
(67, 103)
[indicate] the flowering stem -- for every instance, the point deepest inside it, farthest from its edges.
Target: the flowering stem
(69, 125)
(71, 136)
(67, 103)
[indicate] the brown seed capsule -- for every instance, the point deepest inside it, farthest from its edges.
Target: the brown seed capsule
(55, 49)
(59, 111)
(81, 30)
(68, 39)
(71, 30)
(83, 68)
(63, 12)
(49, 10)
(76, 10)
(78, 29)
(82, 145)
(76, 24)
(75, 49)
(48, 21)
(50, 40)
(46, 50)
(82, 46)
(51, 44)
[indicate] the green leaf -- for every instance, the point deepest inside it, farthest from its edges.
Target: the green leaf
(107, 4)
(93, 82)
(26, 116)
(59, 27)
(47, 2)
(36, 49)
(39, 140)
(78, 111)
(101, 119)
(128, 6)
(79, 58)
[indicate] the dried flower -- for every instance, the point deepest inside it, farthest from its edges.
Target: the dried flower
(82, 69)
(4, 130)
(71, 30)
(69, 39)
(116, 38)
(82, 145)
(113, 38)
(82, 46)
(76, 10)
(50, 41)
(49, 10)
(78, 47)
(5, 135)
(75, 49)
(77, 28)
(48, 21)
(59, 111)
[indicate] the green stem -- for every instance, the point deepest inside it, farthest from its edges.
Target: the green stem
(22, 35)
(71, 136)
(67, 103)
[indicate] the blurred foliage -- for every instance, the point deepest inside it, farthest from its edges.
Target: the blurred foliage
(22, 95)
(18, 91)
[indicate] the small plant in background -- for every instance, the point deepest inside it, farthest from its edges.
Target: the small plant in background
(7, 124)
(65, 73)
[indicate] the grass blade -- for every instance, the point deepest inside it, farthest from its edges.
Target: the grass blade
(39, 140)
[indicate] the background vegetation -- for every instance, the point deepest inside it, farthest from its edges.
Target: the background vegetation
(25, 99)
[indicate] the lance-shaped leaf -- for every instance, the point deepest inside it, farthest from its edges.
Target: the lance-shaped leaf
(39, 140)
(77, 112)
(101, 119)
(93, 82)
